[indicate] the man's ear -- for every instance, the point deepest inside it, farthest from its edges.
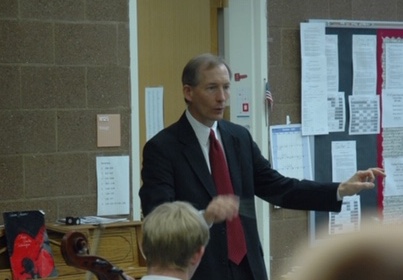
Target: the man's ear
(196, 258)
(187, 93)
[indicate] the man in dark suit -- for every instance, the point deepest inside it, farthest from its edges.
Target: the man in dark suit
(176, 166)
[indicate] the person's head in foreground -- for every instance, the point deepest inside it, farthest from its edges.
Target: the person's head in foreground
(174, 238)
(374, 253)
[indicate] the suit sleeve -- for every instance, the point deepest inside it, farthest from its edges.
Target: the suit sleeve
(157, 176)
(291, 193)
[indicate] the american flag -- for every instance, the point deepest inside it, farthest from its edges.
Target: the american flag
(269, 97)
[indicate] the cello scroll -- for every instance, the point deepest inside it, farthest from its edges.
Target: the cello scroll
(75, 252)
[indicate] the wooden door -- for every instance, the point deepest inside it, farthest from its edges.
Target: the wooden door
(170, 32)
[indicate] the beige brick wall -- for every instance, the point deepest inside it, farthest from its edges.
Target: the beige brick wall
(62, 62)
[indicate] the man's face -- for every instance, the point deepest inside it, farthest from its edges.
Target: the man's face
(206, 101)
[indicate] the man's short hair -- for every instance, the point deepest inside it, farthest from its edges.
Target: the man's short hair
(172, 233)
(205, 61)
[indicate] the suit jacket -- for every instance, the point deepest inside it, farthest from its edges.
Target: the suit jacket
(174, 168)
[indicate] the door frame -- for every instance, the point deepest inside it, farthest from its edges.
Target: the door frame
(246, 49)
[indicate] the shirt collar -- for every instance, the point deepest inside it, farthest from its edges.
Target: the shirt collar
(202, 131)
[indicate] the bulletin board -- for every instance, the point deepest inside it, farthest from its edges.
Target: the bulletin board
(368, 146)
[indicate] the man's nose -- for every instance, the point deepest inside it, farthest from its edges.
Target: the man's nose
(222, 94)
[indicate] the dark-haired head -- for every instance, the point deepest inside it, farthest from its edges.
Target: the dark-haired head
(206, 61)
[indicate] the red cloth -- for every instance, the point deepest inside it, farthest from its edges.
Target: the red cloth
(219, 170)
(381, 35)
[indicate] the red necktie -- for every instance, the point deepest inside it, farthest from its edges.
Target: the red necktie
(222, 180)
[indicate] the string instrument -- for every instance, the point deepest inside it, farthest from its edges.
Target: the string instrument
(75, 251)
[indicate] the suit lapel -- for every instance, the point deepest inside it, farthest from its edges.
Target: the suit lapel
(194, 155)
(232, 153)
